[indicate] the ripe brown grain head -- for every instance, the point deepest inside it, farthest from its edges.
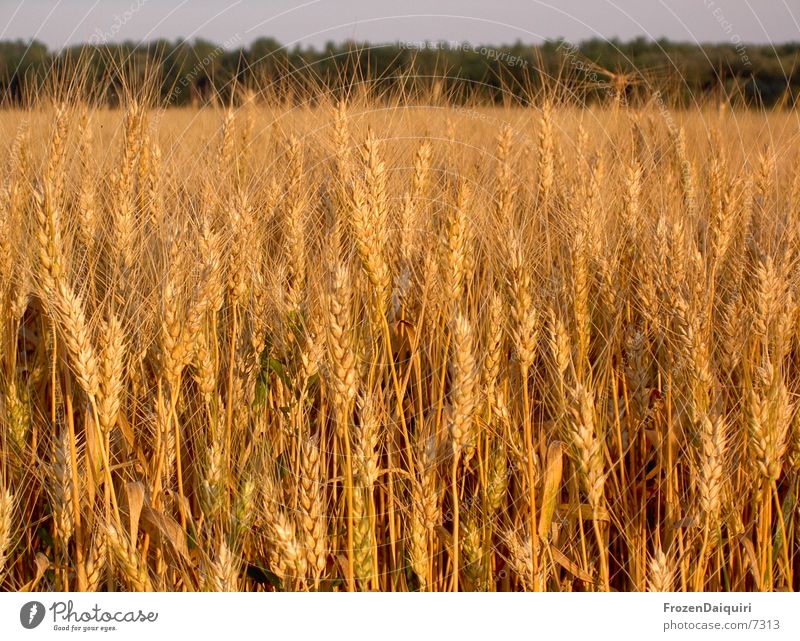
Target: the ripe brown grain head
(464, 384)
(7, 502)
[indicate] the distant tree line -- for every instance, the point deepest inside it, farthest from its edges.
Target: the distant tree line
(181, 73)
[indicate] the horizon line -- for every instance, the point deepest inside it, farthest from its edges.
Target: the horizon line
(441, 42)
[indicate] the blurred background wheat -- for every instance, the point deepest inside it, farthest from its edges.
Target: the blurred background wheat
(378, 344)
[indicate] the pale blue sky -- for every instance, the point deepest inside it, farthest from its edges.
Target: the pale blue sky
(59, 22)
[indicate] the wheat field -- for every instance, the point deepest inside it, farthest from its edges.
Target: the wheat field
(371, 345)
